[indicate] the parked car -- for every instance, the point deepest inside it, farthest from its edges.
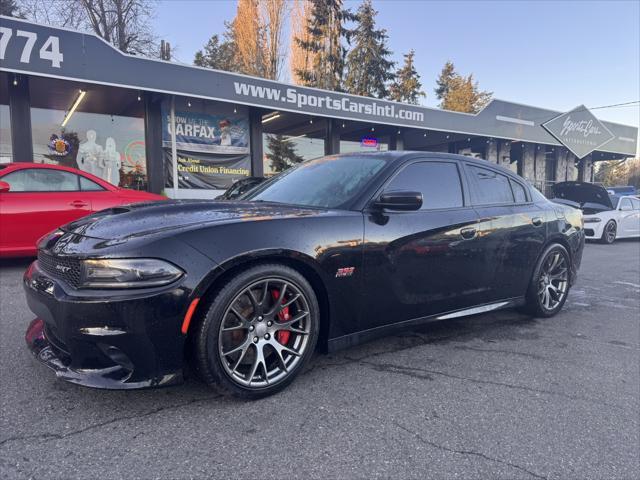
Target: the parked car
(606, 216)
(240, 187)
(330, 253)
(36, 198)
(623, 190)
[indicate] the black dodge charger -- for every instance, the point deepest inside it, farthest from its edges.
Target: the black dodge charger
(331, 253)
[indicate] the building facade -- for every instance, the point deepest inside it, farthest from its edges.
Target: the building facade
(69, 97)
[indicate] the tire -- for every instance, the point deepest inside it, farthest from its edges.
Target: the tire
(262, 347)
(550, 275)
(609, 233)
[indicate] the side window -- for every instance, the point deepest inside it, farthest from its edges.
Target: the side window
(42, 180)
(87, 185)
(489, 187)
(625, 204)
(518, 192)
(635, 203)
(439, 183)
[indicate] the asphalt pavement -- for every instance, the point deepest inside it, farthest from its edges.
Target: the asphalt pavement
(500, 395)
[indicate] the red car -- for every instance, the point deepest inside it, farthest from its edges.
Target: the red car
(37, 198)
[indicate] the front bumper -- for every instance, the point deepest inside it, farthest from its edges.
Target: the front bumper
(593, 230)
(122, 340)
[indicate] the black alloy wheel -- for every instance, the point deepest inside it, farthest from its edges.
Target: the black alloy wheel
(258, 332)
(549, 285)
(609, 233)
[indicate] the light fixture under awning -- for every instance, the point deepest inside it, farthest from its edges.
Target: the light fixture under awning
(79, 98)
(270, 116)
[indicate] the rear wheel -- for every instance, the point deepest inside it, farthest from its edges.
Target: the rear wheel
(609, 233)
(549, 285)
(258, 332)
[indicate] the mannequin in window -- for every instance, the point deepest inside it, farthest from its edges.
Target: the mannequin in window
(112, 162)
(90, 155)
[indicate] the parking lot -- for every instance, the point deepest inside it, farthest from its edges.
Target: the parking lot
(500, 395)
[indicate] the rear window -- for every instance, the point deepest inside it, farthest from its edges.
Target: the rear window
(518, 192)
(489, 187)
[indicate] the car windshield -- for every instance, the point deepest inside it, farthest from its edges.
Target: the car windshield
(614, 199)
(328, 182)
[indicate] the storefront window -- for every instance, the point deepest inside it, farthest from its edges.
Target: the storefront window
(366, 144)
(289, 139)
(5, 121)
(361, 137)
(99, 130)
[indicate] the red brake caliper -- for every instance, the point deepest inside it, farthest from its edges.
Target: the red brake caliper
(282, 336)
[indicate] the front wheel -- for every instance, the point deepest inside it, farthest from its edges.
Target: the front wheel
(258, 332)
(549, 285)
(609, 233)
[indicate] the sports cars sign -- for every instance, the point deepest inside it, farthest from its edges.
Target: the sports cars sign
(579, 130)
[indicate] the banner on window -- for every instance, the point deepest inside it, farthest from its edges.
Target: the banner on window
(200, 132)
(206, 171)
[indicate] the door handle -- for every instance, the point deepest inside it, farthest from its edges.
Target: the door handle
(468, 233)
(78, 204)
(536, 221)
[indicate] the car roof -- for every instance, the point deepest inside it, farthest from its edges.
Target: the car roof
(401, 156)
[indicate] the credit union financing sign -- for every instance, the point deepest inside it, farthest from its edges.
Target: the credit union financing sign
(579, 130)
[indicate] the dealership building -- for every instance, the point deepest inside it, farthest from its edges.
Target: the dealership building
(70, 98)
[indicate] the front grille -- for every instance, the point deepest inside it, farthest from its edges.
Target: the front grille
(65, 268)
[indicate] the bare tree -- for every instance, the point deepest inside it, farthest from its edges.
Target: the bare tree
(61, 13)
(250, 39)
(274, 13)
(123, 23)
(299, 59)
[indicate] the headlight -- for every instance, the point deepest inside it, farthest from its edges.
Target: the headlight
(128, 273)
(592, 220)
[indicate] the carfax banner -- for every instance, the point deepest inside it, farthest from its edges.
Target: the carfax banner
(206, 171)
(200, 132)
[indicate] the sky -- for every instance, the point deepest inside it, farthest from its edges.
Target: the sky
(550, 54)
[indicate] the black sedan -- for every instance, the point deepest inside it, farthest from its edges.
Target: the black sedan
(333, 252)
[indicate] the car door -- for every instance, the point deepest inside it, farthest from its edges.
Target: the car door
(99, 196)
(629, 217)
(424, 262)
(38, 201)
(512, 227)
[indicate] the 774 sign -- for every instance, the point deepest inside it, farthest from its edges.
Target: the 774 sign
(50, 49)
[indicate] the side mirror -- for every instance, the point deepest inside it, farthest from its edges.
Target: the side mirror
(4, 187)
(405, 201)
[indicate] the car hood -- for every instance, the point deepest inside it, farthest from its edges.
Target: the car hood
(142, 219)
(586, 196)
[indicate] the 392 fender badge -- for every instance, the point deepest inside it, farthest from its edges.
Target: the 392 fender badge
(345, 272)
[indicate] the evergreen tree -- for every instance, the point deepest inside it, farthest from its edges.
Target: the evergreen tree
(282, 153)
(406, 87)
(458, 93)
(368, 67)
(217, 54)
(325, 31)
(444, 80)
